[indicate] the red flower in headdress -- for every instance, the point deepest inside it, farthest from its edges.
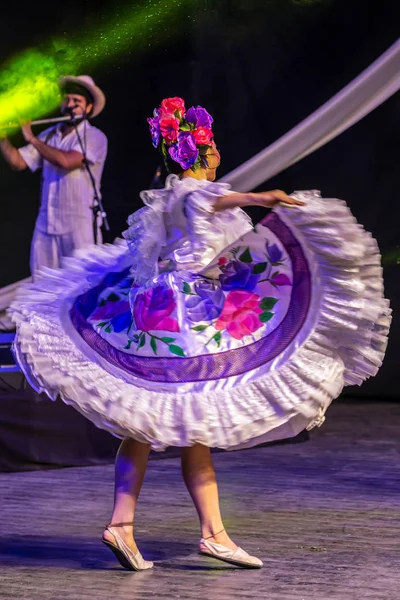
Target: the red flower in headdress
(203, 136)
(169, 127)
(171, 105)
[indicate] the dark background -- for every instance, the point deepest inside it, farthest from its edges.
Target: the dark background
(259, 67)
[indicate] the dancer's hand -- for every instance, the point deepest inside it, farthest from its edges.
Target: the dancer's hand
(274, 197)
(27, 132)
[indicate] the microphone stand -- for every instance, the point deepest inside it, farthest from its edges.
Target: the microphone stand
(156, 183)
(97, 207)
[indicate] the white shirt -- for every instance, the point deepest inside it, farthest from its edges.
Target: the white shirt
(67, 195)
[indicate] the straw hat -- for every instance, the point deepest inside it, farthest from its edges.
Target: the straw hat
(87, 82)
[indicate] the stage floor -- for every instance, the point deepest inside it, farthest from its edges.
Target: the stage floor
(324, 516)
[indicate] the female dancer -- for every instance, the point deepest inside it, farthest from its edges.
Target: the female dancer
(205, 331)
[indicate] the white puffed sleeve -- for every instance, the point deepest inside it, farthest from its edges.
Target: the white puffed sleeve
(146, 235)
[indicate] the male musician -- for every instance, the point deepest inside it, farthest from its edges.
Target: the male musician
(65, 221)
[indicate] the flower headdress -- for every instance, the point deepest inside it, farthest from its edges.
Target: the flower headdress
(182, 135)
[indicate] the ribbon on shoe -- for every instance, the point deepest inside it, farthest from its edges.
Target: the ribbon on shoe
(236, 557)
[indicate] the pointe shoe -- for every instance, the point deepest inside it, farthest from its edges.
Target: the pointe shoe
(125, 556)
(235, 557)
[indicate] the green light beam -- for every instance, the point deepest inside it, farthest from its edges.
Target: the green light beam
(29, 83)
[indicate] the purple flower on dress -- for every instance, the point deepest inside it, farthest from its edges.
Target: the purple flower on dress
(280, 279)
(208, 303)
(152, 310)
(155, 130)
(185, 152)
(122, 321)
(110, 310)
(199, 117)
(238, 276)
(118, 313)
(274, 254)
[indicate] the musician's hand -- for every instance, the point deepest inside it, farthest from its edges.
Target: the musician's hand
(27, 132)
(274, 197)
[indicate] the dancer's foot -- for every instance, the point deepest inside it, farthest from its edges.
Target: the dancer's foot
(221, 537)
(223, 548)
(126, 534)
(119, 538)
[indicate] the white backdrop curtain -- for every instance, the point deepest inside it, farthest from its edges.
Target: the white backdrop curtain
(370, 89)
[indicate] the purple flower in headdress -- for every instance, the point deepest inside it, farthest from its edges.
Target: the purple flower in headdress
(199, 116)
(155, 130)
(185, 152)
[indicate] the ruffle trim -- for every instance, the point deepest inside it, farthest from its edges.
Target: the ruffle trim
(145, 247)
(355, 316)
(347, 345)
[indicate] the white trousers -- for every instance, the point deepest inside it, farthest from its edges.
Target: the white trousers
(48, 250)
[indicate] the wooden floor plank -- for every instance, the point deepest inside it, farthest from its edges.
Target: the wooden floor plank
(324, 516)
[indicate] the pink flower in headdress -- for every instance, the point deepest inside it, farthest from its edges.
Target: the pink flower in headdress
(185, 152)
(169, 127)
(203, 136)
(171, 105)
(199, 117)
(155, 131)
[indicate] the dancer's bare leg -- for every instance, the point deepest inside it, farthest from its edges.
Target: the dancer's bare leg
(199, 476)
(130, 468)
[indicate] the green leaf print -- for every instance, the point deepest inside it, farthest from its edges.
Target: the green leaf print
(217, 338)
(199, 328)
(167, 340)
(113, 297)
(142, 340)
(268, 303)
(176, 350)
(246, 256)
(186, 288)
(153, 345)
(259, 268)
(266, 316)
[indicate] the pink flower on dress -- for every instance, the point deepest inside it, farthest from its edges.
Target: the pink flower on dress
(170, 105)
(152, 310)
(240, 315)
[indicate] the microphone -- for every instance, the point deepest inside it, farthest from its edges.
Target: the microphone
(69, 110)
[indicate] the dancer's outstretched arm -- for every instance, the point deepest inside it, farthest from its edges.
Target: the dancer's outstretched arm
(266, 199)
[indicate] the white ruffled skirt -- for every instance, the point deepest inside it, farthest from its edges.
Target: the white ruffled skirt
(253, 349)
